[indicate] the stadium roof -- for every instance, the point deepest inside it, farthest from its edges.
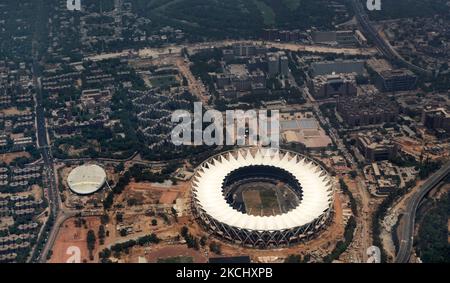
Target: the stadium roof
(86, 179)
(316, 185)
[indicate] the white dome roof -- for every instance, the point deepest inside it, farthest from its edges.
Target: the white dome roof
(316, 186)
(86, 179)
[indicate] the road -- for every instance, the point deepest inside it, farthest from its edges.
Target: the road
(385, 47)
(43, 144)
(364, 214)
(407, 234)
(63, 215)
(196, 86)
(176, 50)
(363, 229)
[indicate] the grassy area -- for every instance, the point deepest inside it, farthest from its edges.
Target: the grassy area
(235, 18)
(269, 200)
(432, 241)
(164, 81)
(176, 259)
(266, 11)
(394, 9)
(292, 4)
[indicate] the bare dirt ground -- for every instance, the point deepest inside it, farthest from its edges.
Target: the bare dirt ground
(151, 186)
(448, 230)
(195, 86)
(168, 197)
(323, 49)
(37, 192)
(253, 203)
(362, 238)
(321, 245)
(13, 111)
(388, 244)
(9, 157)
(71, 246)
(415, 148)
(162, 252)
(150, 193)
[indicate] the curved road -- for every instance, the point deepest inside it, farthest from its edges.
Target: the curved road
(386, 49)
(407, 234)
(43, 143)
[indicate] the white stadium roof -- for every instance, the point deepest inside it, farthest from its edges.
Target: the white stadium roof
(86, 179)
(316, 186)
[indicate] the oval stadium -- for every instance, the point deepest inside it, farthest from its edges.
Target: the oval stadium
(86, 179)
(262, 198)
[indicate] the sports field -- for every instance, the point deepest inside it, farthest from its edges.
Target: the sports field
(70, 245)
(261, 201)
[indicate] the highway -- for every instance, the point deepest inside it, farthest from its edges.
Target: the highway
(174, 50)
(407, 234)
(47, 158)
(385, 48)
(363, 222)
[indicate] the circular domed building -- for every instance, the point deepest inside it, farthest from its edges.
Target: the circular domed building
(86, 179)
(262, 198)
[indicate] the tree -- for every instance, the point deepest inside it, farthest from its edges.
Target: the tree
(101, 234)
(120, 167)
(119, 217)
(104, 219)
(293, 259)
(175, 214)
(203, 240)
(132, 202)
(123, 232)
(184, 231)
(215, 248)
(90, 242)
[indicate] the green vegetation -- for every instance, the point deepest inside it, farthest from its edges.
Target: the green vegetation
(297, 259)
(342, 246)
(346, 191)
(394, 9)
(21, 21)
(394, 234)
(176, 259)
(101, 234)
(100, 6)
(126, 246)
(381, 214)
(119, 141)
(215, 248)
(427, 168)
(164, 81)
(191, 241)
(292, 4)
(139, 173)
(235, 18)
(432, 241)
(267, 12)
(91, 242)
(269, 199)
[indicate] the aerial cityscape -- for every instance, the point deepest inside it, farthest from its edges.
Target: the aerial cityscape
(224, 131)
